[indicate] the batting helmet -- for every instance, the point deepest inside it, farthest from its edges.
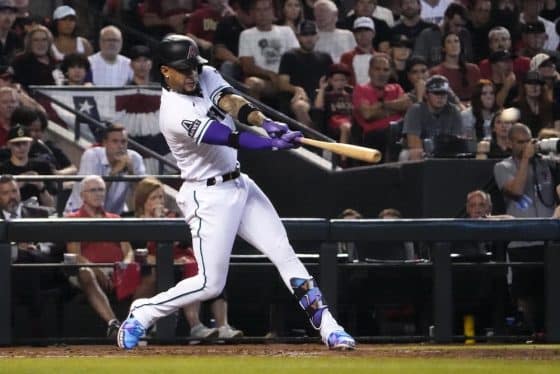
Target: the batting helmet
(179, 52)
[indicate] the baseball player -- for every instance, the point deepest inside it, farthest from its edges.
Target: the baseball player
(217, 200)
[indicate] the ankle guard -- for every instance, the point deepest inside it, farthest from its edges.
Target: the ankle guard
(310, 298)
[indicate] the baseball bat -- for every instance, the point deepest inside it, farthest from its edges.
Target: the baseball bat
(348, 150)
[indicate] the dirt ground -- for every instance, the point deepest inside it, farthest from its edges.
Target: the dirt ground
(482, 351)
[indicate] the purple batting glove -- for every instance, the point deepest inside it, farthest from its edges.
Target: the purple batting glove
(274, 129)
(292, 137)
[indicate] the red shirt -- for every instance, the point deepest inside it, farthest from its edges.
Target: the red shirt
(203, 23)
(99, 251)
(456, 81)
(367, 94)
(520, 68)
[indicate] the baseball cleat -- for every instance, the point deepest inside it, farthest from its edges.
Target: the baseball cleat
(130, 333)
(341, 341)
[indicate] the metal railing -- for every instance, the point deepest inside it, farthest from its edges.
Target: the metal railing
(441, 232)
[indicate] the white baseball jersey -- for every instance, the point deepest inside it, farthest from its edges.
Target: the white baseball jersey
(183, 120)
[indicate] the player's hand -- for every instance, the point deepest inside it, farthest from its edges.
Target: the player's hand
(289, 140)
(274, 129)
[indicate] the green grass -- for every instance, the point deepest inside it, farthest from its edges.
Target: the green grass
(249, 365)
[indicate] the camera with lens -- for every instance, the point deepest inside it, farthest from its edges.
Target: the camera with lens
(550, 145)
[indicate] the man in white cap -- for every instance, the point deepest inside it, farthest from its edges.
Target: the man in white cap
(358, 58)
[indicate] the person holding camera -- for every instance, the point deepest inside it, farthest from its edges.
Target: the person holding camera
(528, 186)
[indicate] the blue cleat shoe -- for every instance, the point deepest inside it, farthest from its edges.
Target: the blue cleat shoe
(341, 341)
(130, 333)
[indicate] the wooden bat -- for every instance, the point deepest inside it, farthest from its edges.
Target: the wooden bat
(348, 150)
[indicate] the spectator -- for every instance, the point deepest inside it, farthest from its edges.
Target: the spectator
(503, 77)
(36, 66)
(499, 40)
(428, 43)
(141, 64)
(332, 40)
(534, 38)
(358, 58)
(551, 10)
(203, 22)
(546, 66)
(64, 31)
(96, 282)
(349, 248)
(528, 189)
(7, 80)
(435, 117)
(108, 67)
(401, 48)
(433, 11)
(505, 14)
(378, 103)
(36, 122)
(149, 202)
(261, 48)
(161, 17)
(479, 25)
(19, 163)
(112, 159)
(392, 250)
(365, 8)
(536, 109)
(476, 118)
(10, 43)
(462, 75)
(291, 14)
(417, 74)
(8, 103)
(334, 98)
(300, 71)
(500, 146)
(226, 39)
(75, 68)
(410, 24)
(530, 10)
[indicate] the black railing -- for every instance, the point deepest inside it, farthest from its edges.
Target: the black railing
(440, 232)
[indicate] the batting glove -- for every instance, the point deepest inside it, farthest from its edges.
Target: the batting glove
(274, 129)
(287, 141)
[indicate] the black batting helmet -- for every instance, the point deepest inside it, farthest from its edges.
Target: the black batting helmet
(179, 52)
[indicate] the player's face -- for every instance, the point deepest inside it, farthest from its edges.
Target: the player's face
(9, 196)
(180, 81)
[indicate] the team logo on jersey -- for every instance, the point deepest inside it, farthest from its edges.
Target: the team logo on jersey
(191, 126)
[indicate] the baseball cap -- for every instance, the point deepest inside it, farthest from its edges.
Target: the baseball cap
(400, 40)
(140, 51)
(500, 56)
(339, 69)
(437, 83)
(8, 4)
(18, 133)
(533, 77)
(307, 27)
(364, 23)
(63, 11)
(541, 59)
(536, 27)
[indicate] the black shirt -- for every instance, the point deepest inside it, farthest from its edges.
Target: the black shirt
(227, 33)
(305, 68)
(28, 189)
(411, 32)
(49, 152)
(29, 71)
(8, 50)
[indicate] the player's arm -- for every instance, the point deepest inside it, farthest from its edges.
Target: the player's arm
(249, 114)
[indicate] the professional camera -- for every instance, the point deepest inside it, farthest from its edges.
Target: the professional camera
(550, 145)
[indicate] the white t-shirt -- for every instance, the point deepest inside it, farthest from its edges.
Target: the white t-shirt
(183, 120)
(267, 47)
(107, 74)
(434, 14)
(335, 43)
(384, 14)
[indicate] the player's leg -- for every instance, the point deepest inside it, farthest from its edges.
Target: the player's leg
(262, 228)
(213, 217)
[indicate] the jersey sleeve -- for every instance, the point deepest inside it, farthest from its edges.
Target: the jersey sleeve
(215, 84)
